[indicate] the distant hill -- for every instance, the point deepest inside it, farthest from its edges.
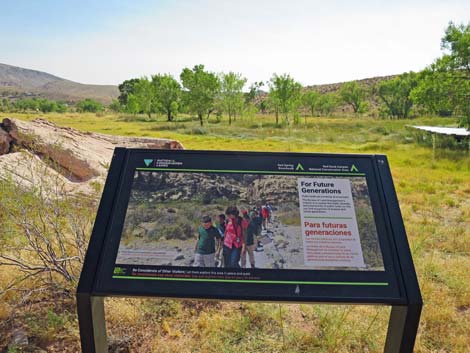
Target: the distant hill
(366, 82)
(17, 82)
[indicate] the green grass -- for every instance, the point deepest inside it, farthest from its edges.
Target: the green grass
(434, 195)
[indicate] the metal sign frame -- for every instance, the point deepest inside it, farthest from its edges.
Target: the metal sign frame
(405, 298)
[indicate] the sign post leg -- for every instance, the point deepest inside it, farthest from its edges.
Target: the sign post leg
(92, 324)
(402, 328)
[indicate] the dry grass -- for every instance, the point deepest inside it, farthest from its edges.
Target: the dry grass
(434, 196)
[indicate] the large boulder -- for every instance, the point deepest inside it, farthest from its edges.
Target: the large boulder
(78, 157)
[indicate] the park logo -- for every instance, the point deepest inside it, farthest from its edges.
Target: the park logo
(299, 167)
(119, 271)
(148, 162)
(354, 168)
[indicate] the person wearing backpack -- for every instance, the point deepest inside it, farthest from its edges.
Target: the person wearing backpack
(250, 242)
(233, 244)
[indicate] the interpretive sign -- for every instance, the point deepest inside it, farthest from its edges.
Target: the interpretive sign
(250, 226)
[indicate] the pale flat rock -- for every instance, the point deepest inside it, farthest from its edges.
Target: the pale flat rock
(30, 172)
(84, 154)
(75, 158)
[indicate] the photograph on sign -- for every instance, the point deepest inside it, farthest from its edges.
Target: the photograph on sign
(262, 221)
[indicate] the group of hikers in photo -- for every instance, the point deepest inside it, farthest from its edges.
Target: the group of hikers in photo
(232, 238)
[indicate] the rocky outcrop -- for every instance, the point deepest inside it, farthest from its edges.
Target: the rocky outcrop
(5, 142)
(39, 146)
(209, 188)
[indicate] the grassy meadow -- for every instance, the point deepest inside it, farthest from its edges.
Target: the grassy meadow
(434, 193)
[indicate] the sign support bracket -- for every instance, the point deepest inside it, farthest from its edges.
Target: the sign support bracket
(402, 328)
(92, 323)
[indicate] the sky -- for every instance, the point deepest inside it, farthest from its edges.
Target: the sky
(316, 42)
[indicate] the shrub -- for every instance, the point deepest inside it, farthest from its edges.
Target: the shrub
(89, 105)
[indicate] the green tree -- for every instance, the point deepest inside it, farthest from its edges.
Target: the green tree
(46, 105)
(444, 86)
(354, 94)
(231, 94)
(456, 41)
(253, 91)
(202, 88)
(285, 93)
(132, 105)
(89, 105)
(436, 91)
(61, 107)
(263, 106)
(274, 105)
(5, 105)
(310, 101)
(327, 103)
(145, 96)
(26, 105)
(395, 95)
(167, 93)
(126, 88)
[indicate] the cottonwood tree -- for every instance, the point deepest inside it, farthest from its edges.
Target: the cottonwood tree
(456, 42)
(395, 95)
(273, 104)
(444, 86)
(285, 93)
(253, 91)
(145, 97)
(167, 94)
(125, 88)
(132, 105)
(354, 95)
(327, 103)
(202, 88)
(231, 94)
(310, 101)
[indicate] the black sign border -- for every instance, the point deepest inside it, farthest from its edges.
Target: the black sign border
(332, 293)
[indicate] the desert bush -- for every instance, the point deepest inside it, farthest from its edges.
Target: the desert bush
(45, 230)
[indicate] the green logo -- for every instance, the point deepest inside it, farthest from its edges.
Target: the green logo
(354, 168)
(148, 162)
(119, 271)
(299, 167)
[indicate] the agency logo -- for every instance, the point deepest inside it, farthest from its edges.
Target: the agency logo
(148, 162)
(299, 167)
(354, 168)
(119, 271)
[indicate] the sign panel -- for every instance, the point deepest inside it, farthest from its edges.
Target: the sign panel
(270, 226)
